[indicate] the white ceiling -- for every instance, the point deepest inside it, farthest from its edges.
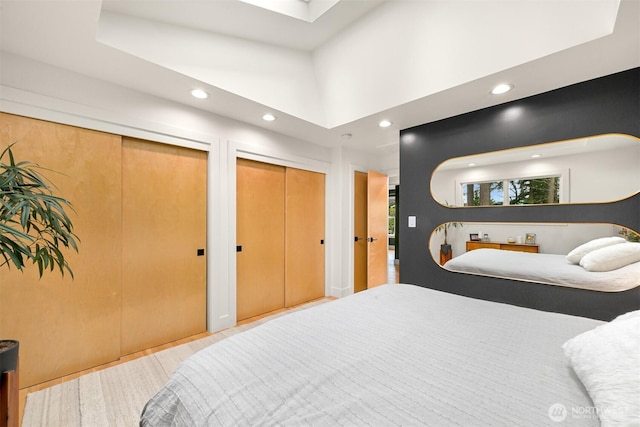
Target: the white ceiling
(410, 61)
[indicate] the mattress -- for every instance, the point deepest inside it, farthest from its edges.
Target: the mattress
(549, 269)
(392, 355)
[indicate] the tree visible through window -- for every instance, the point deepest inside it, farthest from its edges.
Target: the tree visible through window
(521, 191)
(482, 193)
(392, 215)
(534, 191)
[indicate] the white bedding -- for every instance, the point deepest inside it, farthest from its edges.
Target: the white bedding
(544, 268)
(392, 355)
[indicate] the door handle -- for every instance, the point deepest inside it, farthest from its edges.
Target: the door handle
(357, 239)
(371, 239)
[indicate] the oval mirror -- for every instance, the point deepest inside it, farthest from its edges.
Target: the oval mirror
(542, 253)
(597, 169)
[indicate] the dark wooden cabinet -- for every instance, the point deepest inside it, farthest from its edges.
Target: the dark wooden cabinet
(502, 246)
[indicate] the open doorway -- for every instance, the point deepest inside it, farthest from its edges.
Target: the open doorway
(393, 266)
(371, 240)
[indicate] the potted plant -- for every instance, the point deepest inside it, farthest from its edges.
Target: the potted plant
(629, 235)
(445, 248)
(33, 227)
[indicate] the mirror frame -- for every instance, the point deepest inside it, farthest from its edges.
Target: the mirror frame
(519, 163)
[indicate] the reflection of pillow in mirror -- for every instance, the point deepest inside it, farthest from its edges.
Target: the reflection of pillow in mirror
(611, 257)
(607, 361)
(629, 315)
(576, 255)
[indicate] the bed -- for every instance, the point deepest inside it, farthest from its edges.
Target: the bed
(549, 269)
(392, 355)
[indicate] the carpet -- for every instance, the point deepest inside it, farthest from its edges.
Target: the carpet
(115, 396)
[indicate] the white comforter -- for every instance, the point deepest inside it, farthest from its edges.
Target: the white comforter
(549, 269)
(393, 355)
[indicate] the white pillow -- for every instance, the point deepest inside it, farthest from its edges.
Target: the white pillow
(628, 315)
(607, 361)
(611, 257)
(576, 255)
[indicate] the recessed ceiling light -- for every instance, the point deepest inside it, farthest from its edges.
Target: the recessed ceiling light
(535, 156)
(199, 93)
(471, 164)
(384, 123)
(502, 88)
(268, 117)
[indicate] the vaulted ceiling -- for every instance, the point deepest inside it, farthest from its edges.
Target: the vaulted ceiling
(327, 68)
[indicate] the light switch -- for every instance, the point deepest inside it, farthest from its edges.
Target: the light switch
(412, 221)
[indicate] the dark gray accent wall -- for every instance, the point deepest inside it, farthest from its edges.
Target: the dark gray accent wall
(609, 104)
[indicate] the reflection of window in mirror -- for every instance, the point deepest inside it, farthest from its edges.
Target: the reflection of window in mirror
(392, 213)
(522, 191)
(534, 191)
(603, 168)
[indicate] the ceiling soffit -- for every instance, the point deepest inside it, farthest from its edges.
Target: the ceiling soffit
(368, 65)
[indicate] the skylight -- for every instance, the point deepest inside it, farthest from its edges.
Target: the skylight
(305, 10)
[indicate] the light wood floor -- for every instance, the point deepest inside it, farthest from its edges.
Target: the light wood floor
(393, 276)
(393, 269)
(133, 356)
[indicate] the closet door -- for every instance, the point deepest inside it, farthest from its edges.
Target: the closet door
(164, 237)
(66, 324)
(305, 196)
(260, 230)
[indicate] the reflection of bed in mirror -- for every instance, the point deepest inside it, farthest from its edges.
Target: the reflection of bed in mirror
(550, 269)
(554, 241)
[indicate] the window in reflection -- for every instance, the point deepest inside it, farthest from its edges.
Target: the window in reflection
(534, 191)
(522, 191)
(483, 193)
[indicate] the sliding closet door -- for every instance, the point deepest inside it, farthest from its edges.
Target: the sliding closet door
(164, 238)
(260, 190)
(305, 195)
(66, 324)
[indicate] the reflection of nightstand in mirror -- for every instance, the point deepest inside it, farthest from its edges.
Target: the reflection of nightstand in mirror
(503, 246)
(445, 257)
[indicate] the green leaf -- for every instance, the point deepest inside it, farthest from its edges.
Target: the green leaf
(33, 221)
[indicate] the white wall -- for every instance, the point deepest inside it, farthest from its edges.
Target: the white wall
(44, 92)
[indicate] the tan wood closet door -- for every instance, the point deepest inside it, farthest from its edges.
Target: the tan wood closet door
(305, 255)
(360, 231)
(260, 219)
(164, 225)
(377, 226)
(66, 325)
